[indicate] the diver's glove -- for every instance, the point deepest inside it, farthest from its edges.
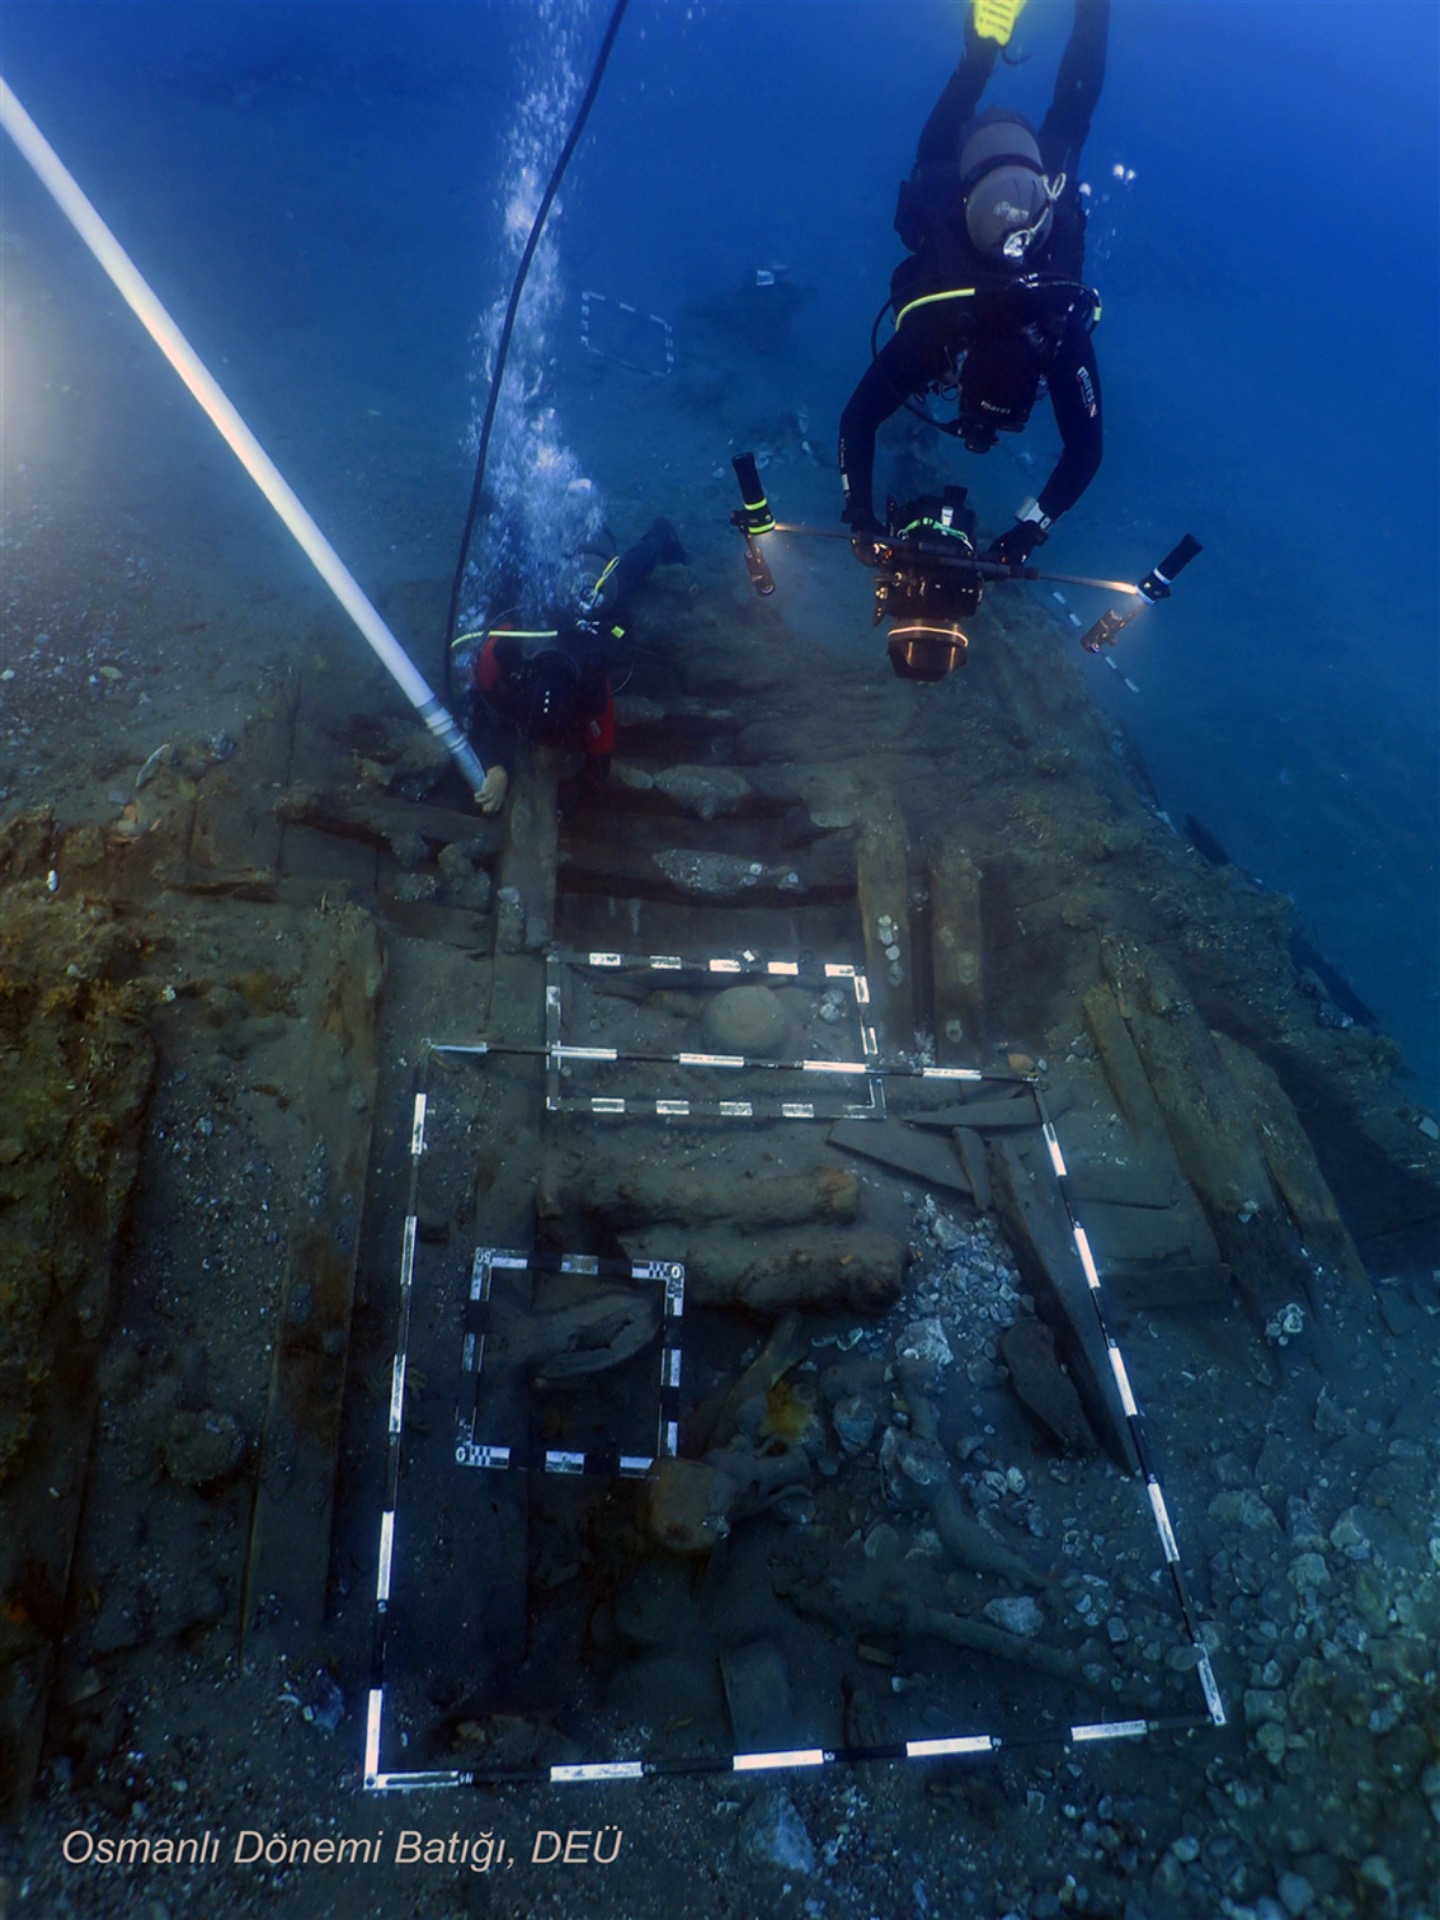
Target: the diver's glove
(491, 796)
(1014, 547)
(869, 541)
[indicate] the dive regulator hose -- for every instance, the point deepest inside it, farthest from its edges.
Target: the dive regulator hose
(502, 349)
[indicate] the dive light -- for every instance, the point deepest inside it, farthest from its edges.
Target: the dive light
(929, 576)
(1155, 586)
(753, 517)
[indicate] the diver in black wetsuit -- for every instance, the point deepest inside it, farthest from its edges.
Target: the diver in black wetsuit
(553, 684)
(990, 306)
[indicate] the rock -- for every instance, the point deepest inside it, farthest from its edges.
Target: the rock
(1375, 1872)
(84, 848)
(1017, 1613)
(467, 883)
(1349, 1536)
(202, 1449)
(772, 1834)
(1331, 1420)
(705, 791)
(633, 777)
(1296, 1893)
(1243, 1508)
(856, 1418)
(1262, 1704)
(1309, 1571)
(411, 850)
(1169, 1876)
(748, 1019)
(924, 1340)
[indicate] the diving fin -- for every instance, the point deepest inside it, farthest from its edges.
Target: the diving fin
(995, 19)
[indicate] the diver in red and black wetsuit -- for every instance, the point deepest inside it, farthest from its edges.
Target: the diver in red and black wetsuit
(990, 306)
(553, 685)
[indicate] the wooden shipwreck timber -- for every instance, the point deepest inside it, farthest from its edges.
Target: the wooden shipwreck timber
(782, 1228)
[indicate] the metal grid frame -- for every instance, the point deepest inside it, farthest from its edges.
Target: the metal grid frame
(592, 304)
(470, 1452)
(733, 969)
(960, 1744)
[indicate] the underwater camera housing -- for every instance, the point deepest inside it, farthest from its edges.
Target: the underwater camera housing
(928, 584)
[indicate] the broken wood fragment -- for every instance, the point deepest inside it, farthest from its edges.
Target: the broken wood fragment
(900, 1147)
(651, 1192)
(857, 1270)
(1291, 1160)
(971, 1148)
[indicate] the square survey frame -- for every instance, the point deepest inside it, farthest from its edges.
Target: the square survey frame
(385, 1770)
(472, 1449)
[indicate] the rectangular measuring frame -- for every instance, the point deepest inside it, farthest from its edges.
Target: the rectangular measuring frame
(442, 1527)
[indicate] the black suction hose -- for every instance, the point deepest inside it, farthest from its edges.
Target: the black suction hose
(457, 586)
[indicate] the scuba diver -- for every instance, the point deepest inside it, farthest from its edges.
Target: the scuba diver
(990, 307)
(553, 684)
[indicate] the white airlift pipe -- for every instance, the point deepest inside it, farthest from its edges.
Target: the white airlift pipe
(233, 430)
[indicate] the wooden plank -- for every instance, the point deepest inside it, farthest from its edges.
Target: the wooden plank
(378, 820)
(883, 884)
(957, 949)
(1144, 1289)
(1141, 1110)
(1020, 1111)
(235, 839)
(970, 1145)
(932, 1161)
(77, 1083)
(510, 1134)
(1120, 1233)
(1209, 1124)
(1292, 1162)
(287, 1563)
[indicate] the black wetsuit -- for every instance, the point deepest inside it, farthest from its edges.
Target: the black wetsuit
(574, 658)
(931, 340)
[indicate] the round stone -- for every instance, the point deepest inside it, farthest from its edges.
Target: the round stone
(747, 1019)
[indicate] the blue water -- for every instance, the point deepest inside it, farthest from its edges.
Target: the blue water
(319, 192)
